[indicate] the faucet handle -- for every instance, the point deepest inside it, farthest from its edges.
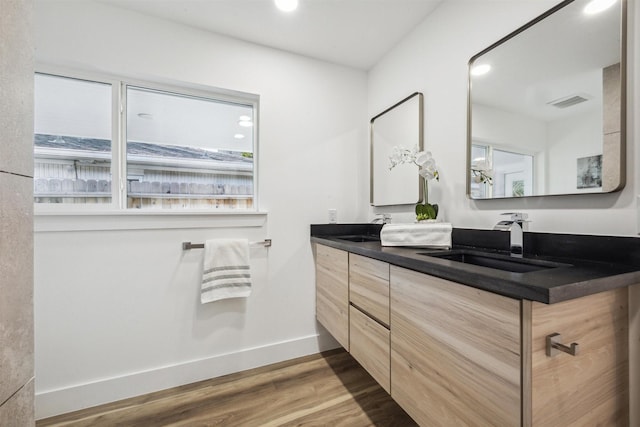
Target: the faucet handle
(517, 216)
(385, 218)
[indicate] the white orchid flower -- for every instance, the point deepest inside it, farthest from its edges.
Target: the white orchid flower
(426, 169)
(479, 175)
(401, 155)
(480, 165)
(428, 173)
(422, 159)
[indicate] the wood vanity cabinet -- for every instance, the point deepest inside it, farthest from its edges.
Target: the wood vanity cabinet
(455, 352)
(591, 388)
(332, 292)
(352, 303)
(464, 356)
(369, 316)
(454, 355)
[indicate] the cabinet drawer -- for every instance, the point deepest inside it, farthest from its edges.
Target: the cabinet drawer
(332, 292)
(455, 352)
(370, 346)
(369, 286)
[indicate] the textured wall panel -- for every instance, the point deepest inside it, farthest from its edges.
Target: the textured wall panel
(16, 87)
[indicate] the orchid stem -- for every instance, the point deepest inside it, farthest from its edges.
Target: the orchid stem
(426, 192)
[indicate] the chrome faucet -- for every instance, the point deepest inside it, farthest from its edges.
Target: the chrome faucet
(382, 218)
(515, 226)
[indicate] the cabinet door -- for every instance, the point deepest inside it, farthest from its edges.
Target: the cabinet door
(332, 292)
(369, 286)
(455, 352)
(591, 388)
(369, 344)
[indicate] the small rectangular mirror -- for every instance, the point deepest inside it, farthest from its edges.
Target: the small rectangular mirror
(399, 125)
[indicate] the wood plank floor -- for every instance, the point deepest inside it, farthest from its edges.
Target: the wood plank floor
(327, 389)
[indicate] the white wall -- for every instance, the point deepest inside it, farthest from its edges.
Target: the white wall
(433, 60)
(570, 139)
(515, 131)
(117, 311)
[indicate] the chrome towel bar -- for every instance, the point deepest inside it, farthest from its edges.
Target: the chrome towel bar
(188, 245)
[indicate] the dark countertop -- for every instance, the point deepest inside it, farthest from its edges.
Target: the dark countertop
(595, 263)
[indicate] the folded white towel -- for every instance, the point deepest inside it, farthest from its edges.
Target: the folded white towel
(226, 271)
(423, 234)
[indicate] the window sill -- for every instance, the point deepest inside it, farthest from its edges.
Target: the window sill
(59, 221)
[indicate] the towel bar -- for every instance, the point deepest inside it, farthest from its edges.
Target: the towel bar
(188, 245)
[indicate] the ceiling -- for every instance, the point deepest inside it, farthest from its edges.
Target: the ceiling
(354, 33)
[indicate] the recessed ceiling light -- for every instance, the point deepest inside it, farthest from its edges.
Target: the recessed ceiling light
(287, 5)
(597, 6)
(238, 136)
(245, 123)
(244, 118)
(480, 69)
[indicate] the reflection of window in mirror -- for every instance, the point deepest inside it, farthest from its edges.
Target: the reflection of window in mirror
(480, 172)
(512, 174)
(500, 173)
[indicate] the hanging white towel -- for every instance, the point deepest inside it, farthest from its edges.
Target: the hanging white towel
(226, 271)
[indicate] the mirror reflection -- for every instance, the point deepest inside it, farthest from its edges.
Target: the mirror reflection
(399, 125)
(546, 106)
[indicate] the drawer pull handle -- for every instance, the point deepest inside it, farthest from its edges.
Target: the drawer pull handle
(554, 346)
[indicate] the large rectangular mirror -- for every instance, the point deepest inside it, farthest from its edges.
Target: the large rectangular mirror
(546, 105)
(398, 125)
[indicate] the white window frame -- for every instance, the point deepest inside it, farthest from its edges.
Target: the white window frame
(118, 205)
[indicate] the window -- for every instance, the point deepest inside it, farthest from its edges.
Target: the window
(481, 174)
(500, 173)
(513, 174)
(72, 142)
(181, 148)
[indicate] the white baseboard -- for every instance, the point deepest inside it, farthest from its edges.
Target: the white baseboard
(55, 402)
